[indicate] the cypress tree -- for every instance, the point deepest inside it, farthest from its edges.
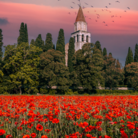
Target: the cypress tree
(39, 42)
(71, 52)
(110, 54)
(32, 42)
(26, 33)
(61, 42)
(136, 53)
(21, 37)
(129, 57)
(54, 46)
(1, 43)
(48, 42)
(98, 45)
(104, 52)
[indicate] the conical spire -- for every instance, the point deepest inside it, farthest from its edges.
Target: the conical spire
(80, 16)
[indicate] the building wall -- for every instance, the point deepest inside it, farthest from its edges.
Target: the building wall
(66, 54)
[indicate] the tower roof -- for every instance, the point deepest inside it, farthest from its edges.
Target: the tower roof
(80, 16)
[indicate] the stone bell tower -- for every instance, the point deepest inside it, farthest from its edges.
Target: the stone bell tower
(80, 34)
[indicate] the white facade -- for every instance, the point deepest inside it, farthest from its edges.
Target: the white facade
(80, 35)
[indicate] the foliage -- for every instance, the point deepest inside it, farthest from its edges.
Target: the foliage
(60, 46)
(21, 37)
(26, 33)
(98, 45)
(87, 67)
(136, 53)
(32, 42)
(104, 52)
(53, 71)
(22, 67)
(112, 72)
(129, 57)
(48, 43)
(39, 42)
(132, 74)
(1, 44)
(71, 52)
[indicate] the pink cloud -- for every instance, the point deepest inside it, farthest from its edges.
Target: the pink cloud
(40, 18)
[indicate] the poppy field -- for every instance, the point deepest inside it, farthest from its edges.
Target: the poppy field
(68, 116)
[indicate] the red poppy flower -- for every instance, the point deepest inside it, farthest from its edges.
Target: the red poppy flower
(47, 130)
(26, 136)
(9, 136)
(33, 135)
(39, 127)
(2, 132)
(44, 136)
(55, 120)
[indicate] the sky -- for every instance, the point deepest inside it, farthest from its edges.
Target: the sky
(49, 16)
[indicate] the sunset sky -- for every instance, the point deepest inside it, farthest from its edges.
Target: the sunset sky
(48, 16)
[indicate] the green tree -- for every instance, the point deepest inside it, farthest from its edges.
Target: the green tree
(86, 72)
(53, 71)
(61, 42)
(129, 57)
(32, 42)
(1, 44)
(136, 53)
(104, 52)
(21, 37)
(22, 67)
(39, 42)
(48, 42)
(98, 45)
(132, 75)
(112, 72)
(26, 33)
(71, 52)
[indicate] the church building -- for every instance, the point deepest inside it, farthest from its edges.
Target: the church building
(80, 34)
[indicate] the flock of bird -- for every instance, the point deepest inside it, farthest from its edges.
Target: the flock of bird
(98, 16)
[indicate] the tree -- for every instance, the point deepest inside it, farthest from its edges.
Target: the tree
(129, 57)
(21, 37)
(39, 42)
(71, 52)
(132, 75)
(53, 71)
(104, 52)
(22, 67)
(32, 42)
(48, 42)
(26, 33)
(1, 44)
(61, 42)
(136, 53)
(86, 72)
(112, 72)
(98, 45)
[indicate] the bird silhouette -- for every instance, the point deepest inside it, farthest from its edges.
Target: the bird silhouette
(96, 20)
(109, 3)
(90, 18)
(106, 25)
(118, 1)
(106, 6)
(92, 6)
(86, 3)
(69, 13)
(103, 21)
(125, 11)
(112, 21)
(128, 7)
(71, 7)
(73, 2)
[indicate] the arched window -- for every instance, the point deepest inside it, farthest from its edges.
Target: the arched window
(77, 38)
(87, 38)
(74, 39)
(82, 37)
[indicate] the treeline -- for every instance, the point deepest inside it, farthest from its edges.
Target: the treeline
(38, 66)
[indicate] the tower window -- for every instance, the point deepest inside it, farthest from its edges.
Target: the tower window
(77, 38)
(82, 38)
(87, 38)
(74, 39)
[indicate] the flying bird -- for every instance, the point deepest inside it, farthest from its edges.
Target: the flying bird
(91, 6)
(120, 16)
(106, 25)
(103, 22)
(73, 2)
(71, 7)
(96, 20)
(109, 3)
(90, 18)
(69, 13)
(118, 1)
(83, 7)
(125, 11)
(86, 3)
(128, 7)
(112, 21)
(106, 6)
